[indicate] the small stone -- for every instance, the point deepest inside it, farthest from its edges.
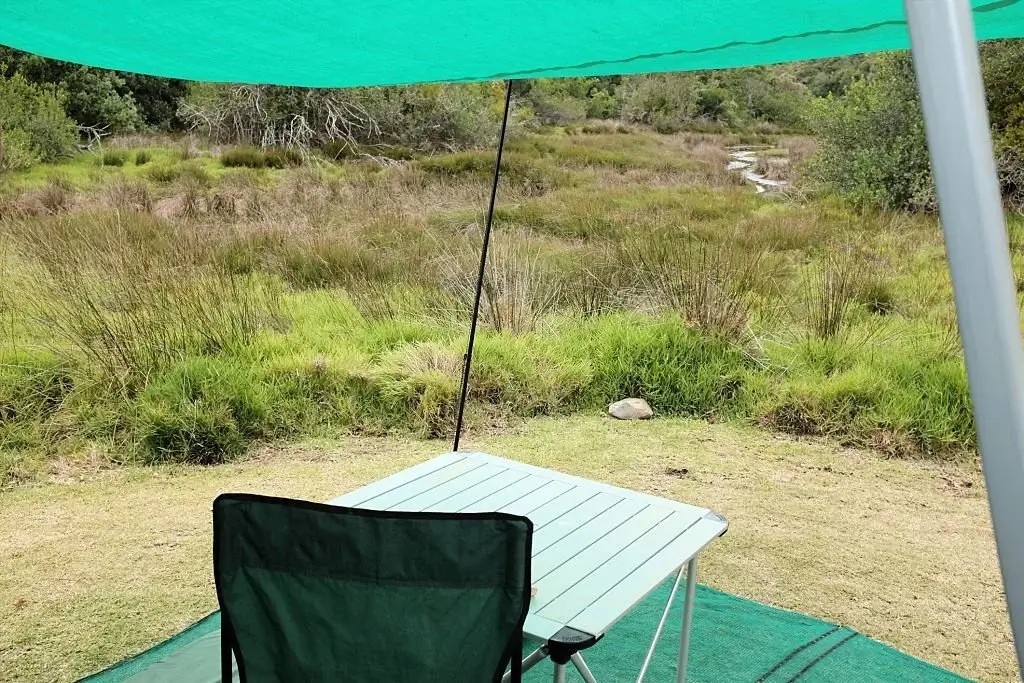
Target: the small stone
(631, 409)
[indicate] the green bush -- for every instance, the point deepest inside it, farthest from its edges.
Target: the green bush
(878, 297)
(33, 124)
(331, 264)
(904, 402)
(665, 100)
(872, 140)
(533, 176)
(114, 157)
(33, 388)
(142, 157)
(197, 173)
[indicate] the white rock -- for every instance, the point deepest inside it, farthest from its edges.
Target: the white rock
(630, 409)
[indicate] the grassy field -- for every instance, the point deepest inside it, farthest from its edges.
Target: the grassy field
(174, 303)
(102, 562)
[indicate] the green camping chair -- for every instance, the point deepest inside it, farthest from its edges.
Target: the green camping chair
(311, 592)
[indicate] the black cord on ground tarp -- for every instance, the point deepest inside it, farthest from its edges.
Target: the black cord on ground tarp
(468, 360)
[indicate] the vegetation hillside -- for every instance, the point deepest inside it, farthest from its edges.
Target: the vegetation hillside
(193, 268)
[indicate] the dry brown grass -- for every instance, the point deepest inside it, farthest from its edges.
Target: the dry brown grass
(800, 148)
(102, 567)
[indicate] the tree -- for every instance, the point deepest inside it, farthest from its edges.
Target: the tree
(33, 125)
(873, 146)
(872, 140)
(122, 102)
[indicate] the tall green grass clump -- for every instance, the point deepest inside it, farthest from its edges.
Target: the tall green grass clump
(127, 294)
(907, 400)
(203, 411)
(114, 157)
(254, 157)
(678, 370)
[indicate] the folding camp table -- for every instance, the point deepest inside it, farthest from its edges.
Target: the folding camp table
(598, 550)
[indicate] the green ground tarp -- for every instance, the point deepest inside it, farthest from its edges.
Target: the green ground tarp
(339, 43)
(734, 641)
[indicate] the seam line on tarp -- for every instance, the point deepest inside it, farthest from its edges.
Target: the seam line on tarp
(782, 662)
(992, 6)
(822, 656)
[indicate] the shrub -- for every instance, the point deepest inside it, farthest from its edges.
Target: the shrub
(527, 375)
(695, 279)
(872, 139)
(422, 117)
(186, 150)
(33, 387)
(35, 127)
(324, 263)
(518, 171)
(877, 296)
(142, 157)
(283, 157)
(830, 288)
(196, 172)
(193, 197)
(665, 100)
(902, 402)
(120, 293)
(57, 196)
(114, 157)
(841, 405)
(518, 290)
(422, 382)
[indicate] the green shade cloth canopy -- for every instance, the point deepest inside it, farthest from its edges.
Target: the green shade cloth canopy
(342, 43)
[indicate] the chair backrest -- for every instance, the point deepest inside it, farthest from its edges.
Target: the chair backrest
(312, 592)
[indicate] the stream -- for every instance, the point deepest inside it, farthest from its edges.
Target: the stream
(744, 160)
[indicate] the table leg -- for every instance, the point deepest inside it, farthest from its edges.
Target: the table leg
(661, 625)
(582, 667)
(559, 673)
(684, 644)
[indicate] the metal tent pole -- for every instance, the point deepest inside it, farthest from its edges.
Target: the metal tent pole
(474, 320)
(953, 100)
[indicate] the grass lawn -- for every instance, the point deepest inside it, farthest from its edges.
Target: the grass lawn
(99, 564)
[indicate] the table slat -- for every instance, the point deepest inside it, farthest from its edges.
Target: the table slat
(359, 496)
(555, 555)
(420, 484)
(452, 487)
(580, 481)
(554, 509)
(533, 500)
(624, 595)
(500, 499)
(596, 554)
(564, 525)
(478, 492)
(617, 566)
